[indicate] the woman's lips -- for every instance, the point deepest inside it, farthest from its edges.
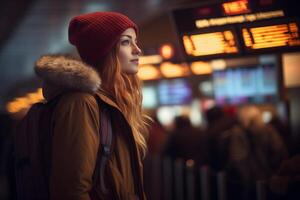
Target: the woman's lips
(135, 61)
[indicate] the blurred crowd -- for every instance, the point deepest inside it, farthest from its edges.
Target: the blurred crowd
(238, 142)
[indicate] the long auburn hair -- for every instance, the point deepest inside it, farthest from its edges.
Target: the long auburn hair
(126, 91)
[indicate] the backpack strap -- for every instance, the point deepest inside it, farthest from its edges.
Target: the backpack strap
(104, 152)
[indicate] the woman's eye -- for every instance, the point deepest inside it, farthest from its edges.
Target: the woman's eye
(125, 42)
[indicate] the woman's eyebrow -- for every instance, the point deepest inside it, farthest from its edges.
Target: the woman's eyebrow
(129, 36)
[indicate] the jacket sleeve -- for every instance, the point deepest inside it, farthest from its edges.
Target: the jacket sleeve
(74, 148)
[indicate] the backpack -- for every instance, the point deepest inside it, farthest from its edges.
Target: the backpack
(32, 150)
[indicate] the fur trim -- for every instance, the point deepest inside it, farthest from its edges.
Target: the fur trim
(67, 72)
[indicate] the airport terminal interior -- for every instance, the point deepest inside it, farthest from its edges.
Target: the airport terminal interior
(210, 70)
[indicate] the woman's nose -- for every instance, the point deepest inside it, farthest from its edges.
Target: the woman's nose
(136, 50)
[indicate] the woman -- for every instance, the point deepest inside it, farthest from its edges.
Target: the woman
(107, 45)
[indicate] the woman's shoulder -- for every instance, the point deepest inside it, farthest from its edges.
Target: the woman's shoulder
(77, 101)
(77, 96)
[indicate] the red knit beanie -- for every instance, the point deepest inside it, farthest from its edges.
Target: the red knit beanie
(94, 34)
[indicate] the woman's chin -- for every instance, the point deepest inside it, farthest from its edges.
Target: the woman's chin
(132, 71)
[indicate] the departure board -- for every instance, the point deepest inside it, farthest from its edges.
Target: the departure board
(236, 28)
(212, 43)
(273, 36)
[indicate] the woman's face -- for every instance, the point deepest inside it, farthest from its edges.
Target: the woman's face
(129, 52)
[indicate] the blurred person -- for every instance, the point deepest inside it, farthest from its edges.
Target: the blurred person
(285, 183)
(107, 45)
(157, 137)
(186, 142)
(218, 122)
(248, 151)
(283, 130)
(255, 149)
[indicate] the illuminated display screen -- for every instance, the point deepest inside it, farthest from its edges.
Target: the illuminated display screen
(246, 85)
(195, 17)
(205, 44)
(149, 97)
(236, 7)
(278, 35)
(237, 27)
(174, 92)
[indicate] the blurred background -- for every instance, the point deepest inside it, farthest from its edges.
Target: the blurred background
(221, 80)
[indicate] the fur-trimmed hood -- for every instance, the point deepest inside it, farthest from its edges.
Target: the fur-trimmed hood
(67, 73)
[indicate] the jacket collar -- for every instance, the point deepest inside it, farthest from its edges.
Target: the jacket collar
(67, 73)
(61, 73)
(107, 99)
